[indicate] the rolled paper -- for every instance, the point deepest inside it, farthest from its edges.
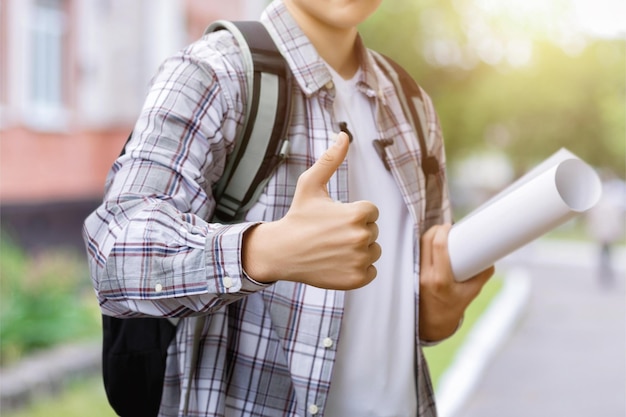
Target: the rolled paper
(559, 189)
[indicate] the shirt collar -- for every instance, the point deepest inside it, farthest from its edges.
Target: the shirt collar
(308, 68)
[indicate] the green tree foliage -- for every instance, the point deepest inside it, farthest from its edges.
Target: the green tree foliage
(561, 101)
(562, 93)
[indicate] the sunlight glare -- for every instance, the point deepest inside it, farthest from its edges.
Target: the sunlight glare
(602, 18)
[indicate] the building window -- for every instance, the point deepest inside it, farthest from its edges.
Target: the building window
(48, 58)
(4, 68)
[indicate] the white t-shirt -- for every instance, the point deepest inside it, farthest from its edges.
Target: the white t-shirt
(374, 374)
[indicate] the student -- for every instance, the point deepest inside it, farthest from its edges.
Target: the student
(302, 314)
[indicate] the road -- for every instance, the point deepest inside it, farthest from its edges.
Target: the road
(566, 355)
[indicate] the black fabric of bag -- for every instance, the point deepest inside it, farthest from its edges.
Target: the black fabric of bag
(133, 363)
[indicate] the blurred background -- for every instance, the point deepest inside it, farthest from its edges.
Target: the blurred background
(513, 81)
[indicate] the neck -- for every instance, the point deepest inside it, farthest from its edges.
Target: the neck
(338, 52)
(335, 45)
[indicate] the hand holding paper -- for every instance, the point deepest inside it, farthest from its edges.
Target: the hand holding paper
(557, 190)
(443, 300)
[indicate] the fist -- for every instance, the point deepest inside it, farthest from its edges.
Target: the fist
(319, 242)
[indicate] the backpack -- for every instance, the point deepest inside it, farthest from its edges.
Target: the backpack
(134, 350)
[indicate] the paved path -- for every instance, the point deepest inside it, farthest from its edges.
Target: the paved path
(566, 355)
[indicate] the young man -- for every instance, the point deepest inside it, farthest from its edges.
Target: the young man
(294, 322)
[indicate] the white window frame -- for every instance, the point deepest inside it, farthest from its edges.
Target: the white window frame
(4, 67)
(47, 61)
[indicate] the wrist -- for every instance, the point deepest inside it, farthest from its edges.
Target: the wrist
(256, 255)
(438, 323)
(438, 331)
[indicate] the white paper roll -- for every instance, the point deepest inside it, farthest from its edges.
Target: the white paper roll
(523, 212)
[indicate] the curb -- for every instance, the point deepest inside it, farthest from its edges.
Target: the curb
(489, 333)
(46, 373)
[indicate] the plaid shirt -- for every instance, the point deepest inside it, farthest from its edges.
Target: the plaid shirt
(153, 252)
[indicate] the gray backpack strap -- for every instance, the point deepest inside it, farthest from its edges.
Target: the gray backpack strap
(262, 145)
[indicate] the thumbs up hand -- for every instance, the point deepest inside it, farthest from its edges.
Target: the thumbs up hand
(319, 242)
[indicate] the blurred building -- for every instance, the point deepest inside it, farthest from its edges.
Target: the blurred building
(73, 76)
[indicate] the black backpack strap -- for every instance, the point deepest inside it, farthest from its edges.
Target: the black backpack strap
(413, 102)
(262, 144)
(410, 95)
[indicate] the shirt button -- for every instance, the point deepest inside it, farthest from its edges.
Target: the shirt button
(158, 288)
(227, 281)
(329, 85)
(314, 409)
(327, 342)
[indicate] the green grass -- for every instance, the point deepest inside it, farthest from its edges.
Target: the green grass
(440, 357)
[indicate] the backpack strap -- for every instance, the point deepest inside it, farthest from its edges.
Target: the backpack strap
(262, 144)
(413, 103)
(410, 95)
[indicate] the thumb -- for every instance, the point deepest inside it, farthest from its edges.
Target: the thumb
(320, 173)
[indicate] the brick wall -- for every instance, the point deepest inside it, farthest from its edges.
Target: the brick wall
(51, 178)
(40, 167)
